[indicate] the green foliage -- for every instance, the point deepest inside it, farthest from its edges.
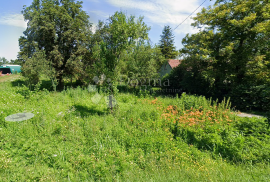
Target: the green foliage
(251, 97)
(166, 43)
(232, 50)
(34, 67)
(246, 141)
(38, 67)
(118, 37)
(141, 63)
(61, 29)
(80, 140)
(239, 45)
(3, 60)
(16, 62)
(212, 126)
(187, 80)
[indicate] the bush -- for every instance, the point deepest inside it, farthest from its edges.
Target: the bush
(245, 96)
(251, 97)
(187, 81)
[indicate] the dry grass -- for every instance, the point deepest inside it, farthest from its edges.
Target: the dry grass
(4, 78)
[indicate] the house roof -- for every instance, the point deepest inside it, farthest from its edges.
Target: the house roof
(10, 65)
(174, 62)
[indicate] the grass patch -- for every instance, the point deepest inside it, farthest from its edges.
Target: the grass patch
(12, 77)
(145, 139)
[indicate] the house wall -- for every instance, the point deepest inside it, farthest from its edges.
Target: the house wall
(165, 69)
(13, 68)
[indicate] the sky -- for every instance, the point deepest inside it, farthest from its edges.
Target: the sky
(156, 13)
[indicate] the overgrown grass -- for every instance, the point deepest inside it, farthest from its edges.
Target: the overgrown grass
(145, 139)
(9, 77)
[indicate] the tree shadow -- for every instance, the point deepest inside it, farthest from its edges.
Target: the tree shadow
(85, 111)
(18, 83)
(46, 84)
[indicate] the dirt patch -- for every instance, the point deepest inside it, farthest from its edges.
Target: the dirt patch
(248, 115)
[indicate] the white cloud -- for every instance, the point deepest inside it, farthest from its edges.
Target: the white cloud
(160, 12)
(100, 14)
(13, 20)
(94, 28)
(95, 1)
(140, 5)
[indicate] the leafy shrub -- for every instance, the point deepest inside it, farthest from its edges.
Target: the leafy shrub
(245, 96)
(250, 97)
(189, 81)
(24, 91)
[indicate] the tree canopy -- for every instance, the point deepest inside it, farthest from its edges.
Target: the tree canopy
(60, 28)
(113, 39)
(236, 39)
(231, 52)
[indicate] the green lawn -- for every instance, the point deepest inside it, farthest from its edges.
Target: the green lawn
(70, 138)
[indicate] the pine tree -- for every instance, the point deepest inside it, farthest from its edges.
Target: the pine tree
(167, 43)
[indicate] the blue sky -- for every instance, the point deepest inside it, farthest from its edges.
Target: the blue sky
(157, 14)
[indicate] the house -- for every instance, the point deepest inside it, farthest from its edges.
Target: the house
(10, 69)
(168, 66)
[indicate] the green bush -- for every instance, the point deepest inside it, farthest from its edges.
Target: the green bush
(250, 97)
(245, 96)
(188, 81)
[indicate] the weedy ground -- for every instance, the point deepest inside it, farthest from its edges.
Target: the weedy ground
(70, 138)
(8, 77)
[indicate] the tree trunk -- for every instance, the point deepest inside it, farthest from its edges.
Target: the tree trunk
(71, 81)
(60, 84)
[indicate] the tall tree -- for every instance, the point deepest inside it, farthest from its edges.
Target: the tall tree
(116, 37)
(142, 63)
(60, 28)
(166, 43)
(232, 52)
(241, 31)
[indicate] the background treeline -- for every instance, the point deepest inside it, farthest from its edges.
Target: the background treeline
(3, 60)
(60, 42)
(229, 57)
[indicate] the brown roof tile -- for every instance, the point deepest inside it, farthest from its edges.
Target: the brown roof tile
(174, 62)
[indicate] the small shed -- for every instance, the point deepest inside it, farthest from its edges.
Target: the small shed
(168, 67)
(10, 69)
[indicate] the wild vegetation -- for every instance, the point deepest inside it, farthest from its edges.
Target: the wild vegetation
(230, 56)
(77, 134)
(146, 138)
(3, 60)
